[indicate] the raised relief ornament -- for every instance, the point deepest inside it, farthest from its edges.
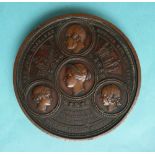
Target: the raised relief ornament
(76, 76)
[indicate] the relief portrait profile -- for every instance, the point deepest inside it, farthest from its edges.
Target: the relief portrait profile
(76, 79)
(109, 98)
(76, 38)
(43, 99)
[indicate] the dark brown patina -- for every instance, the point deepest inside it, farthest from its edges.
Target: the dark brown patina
(76, 76)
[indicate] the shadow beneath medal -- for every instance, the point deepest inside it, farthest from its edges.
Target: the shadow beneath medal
(63, 11)
(70, 10)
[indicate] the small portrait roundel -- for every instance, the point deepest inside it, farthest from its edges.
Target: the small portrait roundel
(111, 99)
(76, 38)
(42, 99)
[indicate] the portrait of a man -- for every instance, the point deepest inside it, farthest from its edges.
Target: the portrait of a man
(75, 38)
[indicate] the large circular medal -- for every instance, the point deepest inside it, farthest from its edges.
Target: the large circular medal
(76, 76)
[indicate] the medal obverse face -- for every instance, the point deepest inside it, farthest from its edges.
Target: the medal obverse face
(76, 76)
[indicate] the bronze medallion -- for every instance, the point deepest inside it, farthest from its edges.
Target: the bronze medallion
(76, 76)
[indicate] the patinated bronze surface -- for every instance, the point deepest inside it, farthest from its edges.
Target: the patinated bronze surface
(76, 76)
